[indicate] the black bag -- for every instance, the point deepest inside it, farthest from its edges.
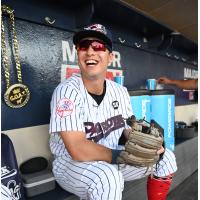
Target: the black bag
(11, 183)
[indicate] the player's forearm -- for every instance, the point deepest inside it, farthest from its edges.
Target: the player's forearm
(90, 151)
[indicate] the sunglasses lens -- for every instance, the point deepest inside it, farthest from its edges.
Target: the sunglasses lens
(84, 45)
(96, 45)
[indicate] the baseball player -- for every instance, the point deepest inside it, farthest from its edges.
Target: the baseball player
(87, 120)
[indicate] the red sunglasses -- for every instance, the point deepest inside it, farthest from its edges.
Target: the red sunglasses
(95, 44)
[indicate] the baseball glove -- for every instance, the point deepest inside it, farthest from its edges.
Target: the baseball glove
(143, 143)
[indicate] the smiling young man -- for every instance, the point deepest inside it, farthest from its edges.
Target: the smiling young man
(87, 120)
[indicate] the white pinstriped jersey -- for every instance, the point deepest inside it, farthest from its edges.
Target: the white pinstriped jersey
(74, 109)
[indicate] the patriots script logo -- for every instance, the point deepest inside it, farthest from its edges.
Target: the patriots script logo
(97, 131)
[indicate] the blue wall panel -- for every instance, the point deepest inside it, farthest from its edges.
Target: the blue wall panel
(41, 58)
(40, 50)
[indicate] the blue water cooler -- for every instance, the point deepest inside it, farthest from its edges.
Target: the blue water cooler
(140, 101)
(162, 111)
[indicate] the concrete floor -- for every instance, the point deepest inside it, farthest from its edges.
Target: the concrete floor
(187, 190)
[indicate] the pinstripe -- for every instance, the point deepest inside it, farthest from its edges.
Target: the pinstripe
(65, 93)
(135, 172)
(69, 167)
(70, 173)
(169, 157)
(67, 185)
(70, 115)
(106, 177)
(88, 105)
(128, 104)
(85, 165)
(110, 103)
(61, 95)
(91, 172)
(53, 103)
(121, 98)
(162, 164)
(112, 97)
(59, 150)
(80, 190)
(94, 180)
(114, 179)
(114, 91)
(76, 113)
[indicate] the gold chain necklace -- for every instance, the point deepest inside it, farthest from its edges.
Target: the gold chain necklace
(16, 95)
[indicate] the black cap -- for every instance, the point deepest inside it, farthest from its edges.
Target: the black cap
(94, 30)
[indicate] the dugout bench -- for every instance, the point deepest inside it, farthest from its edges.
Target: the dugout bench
(186, 151)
